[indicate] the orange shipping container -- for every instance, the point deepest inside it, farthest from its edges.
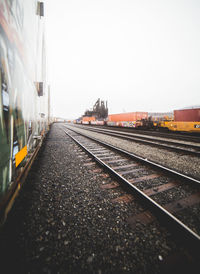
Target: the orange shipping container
(128, 117)
(88, 119)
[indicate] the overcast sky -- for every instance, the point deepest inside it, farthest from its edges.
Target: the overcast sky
(139, 55)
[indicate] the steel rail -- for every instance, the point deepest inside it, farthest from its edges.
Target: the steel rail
(151, 137)
(144, 160)
(150, 141)
(193, 239)
(184, 136)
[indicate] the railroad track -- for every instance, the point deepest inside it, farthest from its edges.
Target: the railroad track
(171, 197)
(184, 136)
(177, 146)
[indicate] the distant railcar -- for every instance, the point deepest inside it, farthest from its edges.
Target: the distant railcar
(24, 100)
(88, 119)
(186, 120)
(187, 115)
(77, 121)
(111, 124)
(97, 123)
(180, 126)
(130, 119)
(127, 117)
(127, 124)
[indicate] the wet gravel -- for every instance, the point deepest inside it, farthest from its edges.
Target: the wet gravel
(63, 221)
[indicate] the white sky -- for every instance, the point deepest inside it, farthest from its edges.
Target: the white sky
(139, 55)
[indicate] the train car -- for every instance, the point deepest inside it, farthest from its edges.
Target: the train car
(127, 117)
(24, 94)
(127, 124)
(100, 123)
(156, 117)
(187, 115)
(88, 119)
(111, 124)
(77, 121)
(97, 123)
(181, 126)
(130, 119)
(185, 120)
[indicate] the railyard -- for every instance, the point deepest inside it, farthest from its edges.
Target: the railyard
(72, 217)
(114, 188)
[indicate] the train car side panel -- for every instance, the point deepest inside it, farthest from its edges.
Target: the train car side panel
(23, 95)
(181, 126)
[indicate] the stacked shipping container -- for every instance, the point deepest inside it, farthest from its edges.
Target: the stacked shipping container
(127, 117)
(187, 115)
(88, 119)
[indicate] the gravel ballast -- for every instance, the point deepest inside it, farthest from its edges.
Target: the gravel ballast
(189, 165)
(63, 221)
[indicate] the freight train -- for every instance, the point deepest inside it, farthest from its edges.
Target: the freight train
(183, 120)
(24, 93)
